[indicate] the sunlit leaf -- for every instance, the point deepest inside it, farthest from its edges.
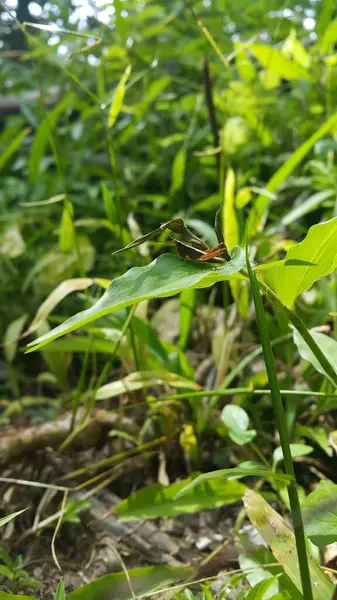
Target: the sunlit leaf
(275, 61)
(165, 276)
(118, 98)
(317, 255)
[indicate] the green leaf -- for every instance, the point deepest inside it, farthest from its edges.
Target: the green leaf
(42, 136)
(178, 171)
(6, 572)
(187, 305)
(280, 538)
(329, 38)
(275, 61)
(60, 593)
(259, 590)
(57, 295)
(165, 276)
(317, 435)
(237, 421)
(159, 500)
(66, 231)
(291, 277)
(295, 450)
(13, 146)
(143, 379)
(117, 101)
(328, 346)
(11, 336)
(251, 470)
(109, 205)
(243, 62)
(257, 215)
(320, 514)
(143, 581)
(8, 518)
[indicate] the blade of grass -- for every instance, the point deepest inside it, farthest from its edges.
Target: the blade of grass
(281, 422)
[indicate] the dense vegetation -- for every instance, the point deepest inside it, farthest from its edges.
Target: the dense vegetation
(195, 372)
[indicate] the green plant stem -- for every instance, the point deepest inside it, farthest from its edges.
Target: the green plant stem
(284, 435)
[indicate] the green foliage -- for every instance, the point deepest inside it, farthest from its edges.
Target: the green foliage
(320, 514)
(139, 581)
(165, 501)
(120, 131)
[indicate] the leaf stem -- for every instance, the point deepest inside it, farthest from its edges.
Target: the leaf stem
(283, 433)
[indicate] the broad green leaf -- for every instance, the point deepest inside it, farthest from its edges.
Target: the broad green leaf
(237, 422)
(258, 213)
(186, 305)
(143, 379)
(320, 514)
(275, 61)
(280, 538)
(329, 38)
(159, 500)
(178, 171)
(117, 101)
(318, 256)
(250, 470)
(11, 336)
(328, 346)
(8, 518)
(42, 136)
(60, 593)
(117, 586)
(165, 276)
(13, 146)
(295, 450)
